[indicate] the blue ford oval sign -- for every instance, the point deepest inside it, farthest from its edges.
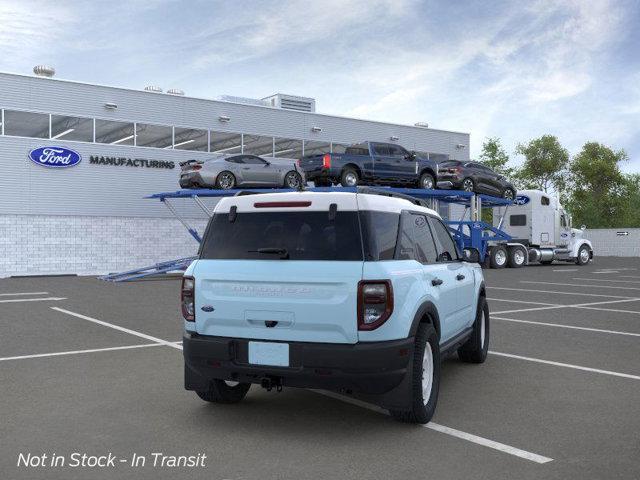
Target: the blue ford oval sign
(56, 157)
(521, 200)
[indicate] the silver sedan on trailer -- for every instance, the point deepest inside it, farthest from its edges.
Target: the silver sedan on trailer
(241, 170)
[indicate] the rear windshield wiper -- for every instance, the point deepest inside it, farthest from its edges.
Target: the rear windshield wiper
(284, 254)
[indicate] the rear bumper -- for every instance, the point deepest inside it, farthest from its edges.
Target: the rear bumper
(449, 183)
(191, 180)
(319, 173)
(367, 368)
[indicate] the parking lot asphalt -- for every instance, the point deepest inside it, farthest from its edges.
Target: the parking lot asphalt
(96, 367)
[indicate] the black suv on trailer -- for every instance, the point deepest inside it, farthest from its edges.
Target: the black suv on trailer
(474, 177)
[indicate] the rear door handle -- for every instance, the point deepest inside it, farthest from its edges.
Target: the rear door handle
(460, 277)
(246, 168)
(436, 281)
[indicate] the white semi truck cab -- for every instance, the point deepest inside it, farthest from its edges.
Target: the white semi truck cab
(541, 232)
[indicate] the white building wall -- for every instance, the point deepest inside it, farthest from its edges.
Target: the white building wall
(53, 245)
(612, 242)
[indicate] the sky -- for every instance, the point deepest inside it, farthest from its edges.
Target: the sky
(514, 70)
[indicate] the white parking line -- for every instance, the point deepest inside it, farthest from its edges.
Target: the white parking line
(608, 309)
(519, 301)
(604, 280)
(45, 299)
(576, 305)
(566, 365)
(566, 270)
(579, 285)
(529, 290)
(559, 325)
(76, 352)
(119, 328)
(485, 442)
(23, 293)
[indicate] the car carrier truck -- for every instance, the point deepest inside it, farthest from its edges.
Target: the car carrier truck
(540, 231)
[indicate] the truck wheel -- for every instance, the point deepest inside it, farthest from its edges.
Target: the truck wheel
(221, 391)
(292, 180)
(517, 257)
(349, 178)
(508, 194)
(475, 349)
(427, 181)
(425, 382)
(498, 257)
(583, 255)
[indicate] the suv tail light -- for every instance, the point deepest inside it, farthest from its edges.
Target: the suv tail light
(196, 167)
(326, 160)
(187, 299)
(375, 303)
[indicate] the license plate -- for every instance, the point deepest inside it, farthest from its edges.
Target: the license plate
(269, 353)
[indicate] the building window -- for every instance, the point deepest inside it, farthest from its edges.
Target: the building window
(26, 124)
(338, 147)
(72, 128)
(114, 133)
(316, 148)
(157, 136)
(224, 142)
(287, 148)
(258, 145)
(190, 139)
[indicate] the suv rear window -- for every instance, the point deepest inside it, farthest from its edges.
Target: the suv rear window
(303, 235)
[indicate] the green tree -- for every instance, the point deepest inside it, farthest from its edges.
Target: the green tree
(545, 165)
(599, 192)
(495, 157)
(631, 200)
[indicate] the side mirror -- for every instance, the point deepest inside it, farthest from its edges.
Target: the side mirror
(583, 227)
(267, 163)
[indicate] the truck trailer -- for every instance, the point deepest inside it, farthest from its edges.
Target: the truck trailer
(540, 231)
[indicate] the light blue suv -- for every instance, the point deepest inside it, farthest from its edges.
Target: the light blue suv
(359, 293)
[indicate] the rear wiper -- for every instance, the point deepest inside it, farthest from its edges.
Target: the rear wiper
(284, 254)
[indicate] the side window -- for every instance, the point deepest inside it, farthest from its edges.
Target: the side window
(380, 232)
(447, 250)
(235, 160)
(517, 220)
(563, 221)
(253, 160)
(415, 241)
(381, 149)
(544, 200)
(396, 151)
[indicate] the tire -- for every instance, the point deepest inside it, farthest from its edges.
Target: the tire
(468, 185)
(349, 178)
(584, 255)
(426, 354)
(293, 180)
(499, 257)
(225, 180)
(517, 257)
(475, 349)
(222, 392)
(508, 194)
(427, 182)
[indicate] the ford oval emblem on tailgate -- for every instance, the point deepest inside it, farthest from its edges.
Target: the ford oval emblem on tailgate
(56, 157)
(207, 308)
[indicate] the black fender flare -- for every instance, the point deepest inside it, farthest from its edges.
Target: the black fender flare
(427, 309)
(430, 171)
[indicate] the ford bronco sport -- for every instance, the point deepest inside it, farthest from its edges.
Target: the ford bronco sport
(361, 293)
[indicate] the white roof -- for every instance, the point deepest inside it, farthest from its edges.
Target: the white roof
(319, 201)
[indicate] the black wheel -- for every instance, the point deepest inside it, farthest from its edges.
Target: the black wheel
(292, 180)
(475, 349)
(498, 257)
(349, 178)
(425, 382)
(468, 185)
(427, 181)
(508, 194)
(584, 255)
(224, 391)
(225, 180)
(517, 257)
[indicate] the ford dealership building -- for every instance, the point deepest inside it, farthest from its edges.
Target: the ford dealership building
(77, 160)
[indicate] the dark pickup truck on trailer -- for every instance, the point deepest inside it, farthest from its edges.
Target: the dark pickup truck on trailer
(370, 163)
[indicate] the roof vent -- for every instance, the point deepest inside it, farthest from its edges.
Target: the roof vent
(422, 124)
(175, 91)
(292, 102)
(153, 88)
(44, 71)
